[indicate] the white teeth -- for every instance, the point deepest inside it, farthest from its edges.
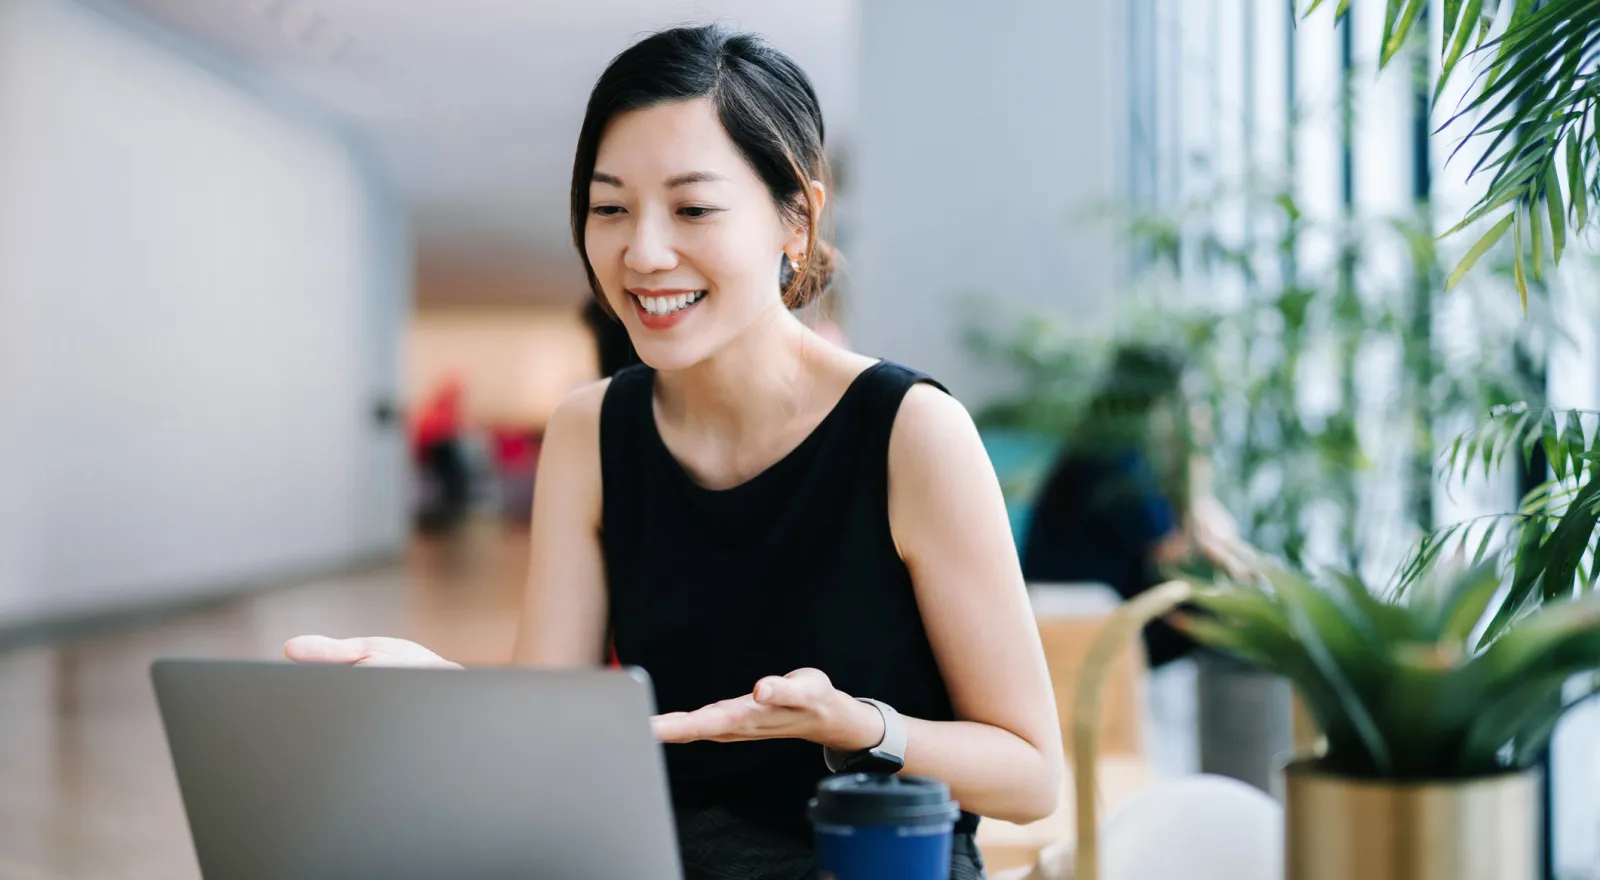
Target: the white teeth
(666, 305)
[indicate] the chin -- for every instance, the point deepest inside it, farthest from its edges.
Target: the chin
(665, 357)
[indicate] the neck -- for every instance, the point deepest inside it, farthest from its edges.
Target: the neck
(757, 379)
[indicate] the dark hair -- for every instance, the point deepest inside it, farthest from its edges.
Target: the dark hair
(765, 103)
(1139, 378)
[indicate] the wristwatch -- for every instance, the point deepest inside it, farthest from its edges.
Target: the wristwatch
(888, 756)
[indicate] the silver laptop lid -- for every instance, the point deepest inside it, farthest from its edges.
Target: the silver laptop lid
(304, 772)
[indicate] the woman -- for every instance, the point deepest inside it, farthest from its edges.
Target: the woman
(1113, 508)
(769, 525)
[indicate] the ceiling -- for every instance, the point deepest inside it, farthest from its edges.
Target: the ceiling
(473, 106)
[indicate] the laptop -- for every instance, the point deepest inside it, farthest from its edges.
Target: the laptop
(322, 771)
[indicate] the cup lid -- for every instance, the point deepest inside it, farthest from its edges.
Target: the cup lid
(882, 799)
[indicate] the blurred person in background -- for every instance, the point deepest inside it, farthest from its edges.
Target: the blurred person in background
(773, 527)
(439, 450)
(1117, 506)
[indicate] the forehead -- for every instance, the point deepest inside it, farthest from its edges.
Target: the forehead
(649, 145)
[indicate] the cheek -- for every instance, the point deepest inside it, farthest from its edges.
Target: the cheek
(598, 247)
(734, 257)
(604, 251)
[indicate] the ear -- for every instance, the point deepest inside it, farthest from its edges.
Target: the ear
(795, 245)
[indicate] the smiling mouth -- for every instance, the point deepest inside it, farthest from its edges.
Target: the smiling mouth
(662, 306)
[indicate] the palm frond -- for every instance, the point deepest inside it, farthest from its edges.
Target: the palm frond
(1531, 104)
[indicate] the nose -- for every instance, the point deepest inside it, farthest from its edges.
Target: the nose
(650, 250)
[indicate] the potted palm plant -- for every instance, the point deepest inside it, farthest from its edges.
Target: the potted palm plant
(1429, 729)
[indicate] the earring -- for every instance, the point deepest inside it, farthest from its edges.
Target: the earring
(794, 263)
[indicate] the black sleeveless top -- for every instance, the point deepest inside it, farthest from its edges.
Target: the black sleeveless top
(711, 590)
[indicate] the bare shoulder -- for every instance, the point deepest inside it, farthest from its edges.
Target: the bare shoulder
(931, 427)
(946, 510)
(578, 414)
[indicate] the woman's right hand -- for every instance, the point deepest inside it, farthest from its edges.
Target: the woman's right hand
(366, 651)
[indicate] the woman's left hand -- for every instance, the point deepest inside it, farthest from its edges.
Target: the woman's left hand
(801, 705)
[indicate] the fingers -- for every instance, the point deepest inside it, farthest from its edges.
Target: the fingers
(726, 721)
(369, 651)
(783, 693)
(778, 706)
(321, 649)
(676, 727)
(800, 689)
(680, 727)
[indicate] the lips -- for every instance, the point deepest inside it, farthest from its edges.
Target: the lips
(661, 309)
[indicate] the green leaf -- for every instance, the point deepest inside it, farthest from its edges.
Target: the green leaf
(1578, 187)
(1536, 221)
(1477, 251)
(1532, 740)
(1401, 30)
(1554, 451)
(1517, 273)
(1467, 601)
(1527, 566)
(1390, 16)
(1452, 18)
(1506, 713)
(1484, 543)
(1534, 435)
(1327, 636)
(1563, 550)
(1539, 644)
(1515, 439)
(1558, 212)
(1514, 27)
(1574, 442)
(1385, 623)
(1462, 33)
(1312, 8)
(1482, 211)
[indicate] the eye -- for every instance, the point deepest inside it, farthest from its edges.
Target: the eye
(606, 210)
(696, 212)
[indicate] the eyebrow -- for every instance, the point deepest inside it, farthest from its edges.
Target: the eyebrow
(672, 182)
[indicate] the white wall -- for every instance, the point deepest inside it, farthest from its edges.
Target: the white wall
(984, 130)
(200, 296)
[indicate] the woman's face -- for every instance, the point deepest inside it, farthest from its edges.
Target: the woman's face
(682, 233)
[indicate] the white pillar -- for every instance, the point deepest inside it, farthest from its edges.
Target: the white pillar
(987, 131)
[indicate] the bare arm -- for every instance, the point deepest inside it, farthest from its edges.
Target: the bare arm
(1004, 759)
(564, 607)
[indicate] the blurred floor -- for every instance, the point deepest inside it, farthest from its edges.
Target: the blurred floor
(86, 785)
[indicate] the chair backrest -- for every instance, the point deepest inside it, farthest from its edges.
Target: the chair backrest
(1069, 617)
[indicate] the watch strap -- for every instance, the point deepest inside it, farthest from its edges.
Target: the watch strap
(892, 748)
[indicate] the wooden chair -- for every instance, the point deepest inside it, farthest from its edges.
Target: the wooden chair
(1070, 617)
(1205, 826)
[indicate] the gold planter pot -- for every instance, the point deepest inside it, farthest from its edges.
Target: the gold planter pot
(1346, 829)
